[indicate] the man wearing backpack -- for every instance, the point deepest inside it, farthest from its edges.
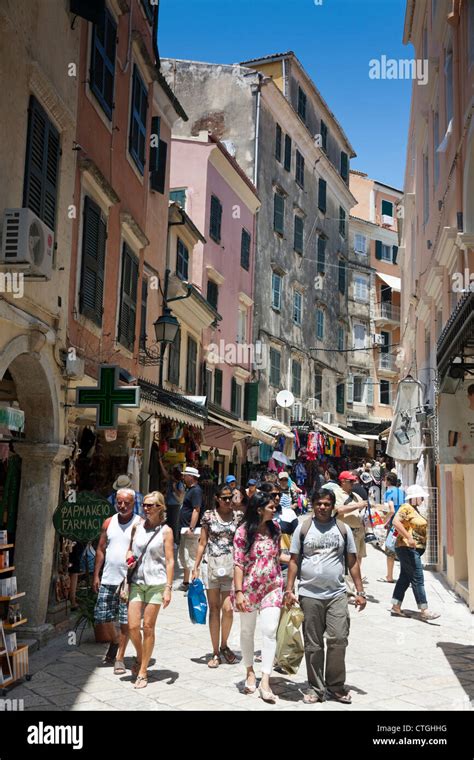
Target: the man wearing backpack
(321, 549)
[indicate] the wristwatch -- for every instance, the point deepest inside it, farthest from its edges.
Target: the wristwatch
(362, 594)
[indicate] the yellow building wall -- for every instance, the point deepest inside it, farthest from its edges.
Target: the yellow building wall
(273, 69)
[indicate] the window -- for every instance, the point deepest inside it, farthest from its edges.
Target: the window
(236, 398)
(318, 387)
(216, 219)
(302, 104)
(383, 252)
(242, 325)
(387, 208)
(321, 255)
(342, 222)
(275, 367)
(128, 298)
(344, 166)
(147, 7)
(173, 359)
(42, 165)
(360, 244)
(94, 235)
(385, 392)
(298, 234)
(278, 140)
(299, 169)
(212, 293)
(320, 324)
(358, 389)
(448, 79)
(296, 378)
(191, 365)
(426, 189)
(137, 137)
(276, 291)
(342, 277)
(179, 196)
(359, 332)
(435, 148)
(245, 250)
(341, 338)
(218, 387)
(278, 213)
(182, 260)
(143, 312)
(324, 136)
(158, 158)
(287, 163)
(297, 307)
(102, 72)
(340, 393)
(361, 288)
(322, 195)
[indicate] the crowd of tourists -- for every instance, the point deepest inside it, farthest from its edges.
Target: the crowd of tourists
(259, 549)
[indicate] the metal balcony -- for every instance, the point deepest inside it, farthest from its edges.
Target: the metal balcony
(387, 314)
(387, 364)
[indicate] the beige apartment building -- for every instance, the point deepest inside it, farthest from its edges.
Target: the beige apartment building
(437, 249)
(373, 306)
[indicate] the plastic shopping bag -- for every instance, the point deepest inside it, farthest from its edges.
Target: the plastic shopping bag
(391, 540)
(197, 602)
(290, 648)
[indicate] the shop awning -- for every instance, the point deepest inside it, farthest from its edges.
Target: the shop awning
(171, 405)
(349, 438)
(369, 437)
(385, 433)
(271, 427)
(391, 281)
(221, 418)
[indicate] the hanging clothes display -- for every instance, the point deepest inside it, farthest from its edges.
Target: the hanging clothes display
(133, 469)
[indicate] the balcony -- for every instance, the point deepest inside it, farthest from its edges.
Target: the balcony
(387, 365)
(387, 314)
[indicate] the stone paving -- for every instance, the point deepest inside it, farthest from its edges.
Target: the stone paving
(392, 663)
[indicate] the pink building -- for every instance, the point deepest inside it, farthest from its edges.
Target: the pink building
(222, 203)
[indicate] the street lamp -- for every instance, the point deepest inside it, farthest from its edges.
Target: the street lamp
(166, 327)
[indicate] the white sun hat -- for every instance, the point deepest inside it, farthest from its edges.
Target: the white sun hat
(415, 492)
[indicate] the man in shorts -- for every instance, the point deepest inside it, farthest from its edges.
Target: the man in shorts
(190, 523)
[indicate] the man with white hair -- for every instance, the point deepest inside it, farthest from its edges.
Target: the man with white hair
(190, 523)
(113, 545)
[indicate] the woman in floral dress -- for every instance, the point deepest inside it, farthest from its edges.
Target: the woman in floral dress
(258, 587)
(218, 528)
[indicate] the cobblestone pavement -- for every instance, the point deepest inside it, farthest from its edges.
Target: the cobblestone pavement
(392, 663)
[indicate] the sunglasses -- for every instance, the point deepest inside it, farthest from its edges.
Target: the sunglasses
(275, 494)
(155, 504)
(225, 498)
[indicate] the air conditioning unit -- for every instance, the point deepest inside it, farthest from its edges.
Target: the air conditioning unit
(27, 240)
(378, 340)
(297, 411)
(327, 417)
(313, 405)
(388, 220)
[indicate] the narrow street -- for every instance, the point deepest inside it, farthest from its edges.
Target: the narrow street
(392, 664)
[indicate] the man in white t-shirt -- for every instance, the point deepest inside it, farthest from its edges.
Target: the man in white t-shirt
(113, 546)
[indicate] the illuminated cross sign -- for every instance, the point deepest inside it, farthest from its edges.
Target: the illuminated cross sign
(108, 396)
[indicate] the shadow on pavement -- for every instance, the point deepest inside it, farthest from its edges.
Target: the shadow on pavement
(461, 660)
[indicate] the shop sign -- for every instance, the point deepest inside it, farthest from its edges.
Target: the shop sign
(81, 518)
(108, 396)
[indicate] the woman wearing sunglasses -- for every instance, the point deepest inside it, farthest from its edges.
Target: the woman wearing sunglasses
(258, 585)
(218, 528)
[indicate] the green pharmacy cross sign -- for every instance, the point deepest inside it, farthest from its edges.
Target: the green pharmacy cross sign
(108, 396)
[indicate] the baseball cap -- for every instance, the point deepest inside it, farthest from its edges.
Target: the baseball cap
(346, 475)
(251, 482)
(283, 475)
(230, 479)
(192, 471)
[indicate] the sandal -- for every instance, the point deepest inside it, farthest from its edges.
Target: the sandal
(397, 613)
(141, 682)
(267, 696)
(429, 615)
(119, 668)
(310, 698)
(214, 662)
(385, 580)
(344, 699)
(228, 655)
(111, 654)
(250, 688)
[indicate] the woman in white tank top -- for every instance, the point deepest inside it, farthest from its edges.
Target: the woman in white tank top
(152, 552)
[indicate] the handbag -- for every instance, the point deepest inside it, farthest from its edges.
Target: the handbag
(221, 566)
(124, 589)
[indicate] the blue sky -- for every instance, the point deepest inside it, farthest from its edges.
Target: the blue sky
(334, 41)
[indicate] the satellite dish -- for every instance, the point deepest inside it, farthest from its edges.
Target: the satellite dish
(285, 398)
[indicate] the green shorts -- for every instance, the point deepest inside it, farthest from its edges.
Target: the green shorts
(146, 594)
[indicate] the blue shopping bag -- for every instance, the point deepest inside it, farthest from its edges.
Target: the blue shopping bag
(197, 602)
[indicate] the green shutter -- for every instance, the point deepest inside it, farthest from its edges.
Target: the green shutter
(344, 166)
(298, 235)
(322, 195)
(42, 165)
(94, 238)
(216, 219)
(158, 177)
(218, 386)
(233, 394)
(128, 299)
(287, 163)
(394, 253)
(321, 258)
(278, 213)
(251, 401)
(378, 249)
(278, 142)
(342, 277)
(340, 407)
(245, 250)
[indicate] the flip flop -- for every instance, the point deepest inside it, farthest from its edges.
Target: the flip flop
(309, 698)
(228, 655)
(141, 682)
(398, 614)
(429, 616)
(214, 662)
(344, 699)
(119, 668)
(384, 580)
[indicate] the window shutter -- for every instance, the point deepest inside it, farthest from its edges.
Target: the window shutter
(344, 166)
(94, 238)
(155, 138)
(143, 312)
(102, 70)
(233, 395)
(245, 250)
(191, 366)
(138, 118)
(215, 220)
(287, 163)
(251, 401)
(278, 142)
(128, 303)
(174, 359)
(378, 249)
(42, 165)
(350, 389)
(298, 234)
(218, 386)
(394, 254)
(321, 258)
(369, 395)
(340, 405)
(158, 177)
(342, 277)
(322, 195)
(278, 213)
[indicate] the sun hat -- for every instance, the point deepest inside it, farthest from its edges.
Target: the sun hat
(347, 475)
(123, 481)
(230, 479)
(416, 491)
(192, 471)
(283, 475)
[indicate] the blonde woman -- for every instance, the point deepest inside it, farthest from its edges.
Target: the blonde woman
(151, 555)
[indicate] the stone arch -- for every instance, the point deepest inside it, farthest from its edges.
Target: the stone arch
(468, 189)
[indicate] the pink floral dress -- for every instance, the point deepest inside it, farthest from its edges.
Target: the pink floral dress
(262, 584)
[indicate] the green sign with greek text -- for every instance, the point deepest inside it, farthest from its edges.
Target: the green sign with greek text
(82, 519)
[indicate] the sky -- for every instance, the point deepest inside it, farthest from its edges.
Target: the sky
(335, 40)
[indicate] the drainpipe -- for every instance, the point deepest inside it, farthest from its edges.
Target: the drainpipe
(257, 128)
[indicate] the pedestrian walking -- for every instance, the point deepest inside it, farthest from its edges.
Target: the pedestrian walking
(258, 587)
(350, 512)
(410, 547)
(393, 498)
(151, 549)
(218, 528)
(124, 481)
(110, 555)
(320, 549)
(190, 523)
(175, 491)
